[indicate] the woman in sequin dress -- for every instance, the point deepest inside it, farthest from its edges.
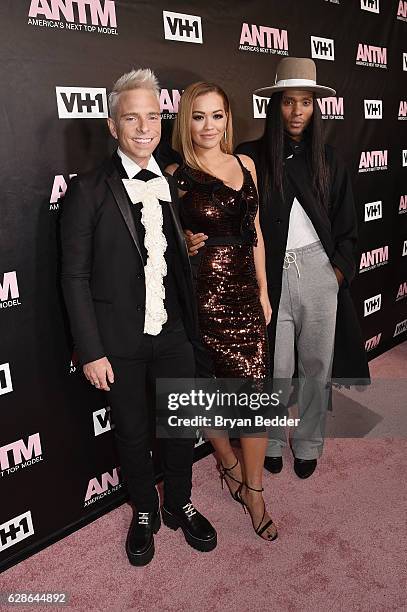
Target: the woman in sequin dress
(219, 196)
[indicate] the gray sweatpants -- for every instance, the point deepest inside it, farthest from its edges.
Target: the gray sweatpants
(306, 319)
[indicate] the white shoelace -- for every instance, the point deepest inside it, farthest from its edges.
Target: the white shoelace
(143, 518)
(189, 509)
(289, 258)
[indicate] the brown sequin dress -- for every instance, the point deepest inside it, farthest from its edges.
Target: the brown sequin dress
(231, 318)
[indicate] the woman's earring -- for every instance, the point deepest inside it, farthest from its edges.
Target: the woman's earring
(225, 136)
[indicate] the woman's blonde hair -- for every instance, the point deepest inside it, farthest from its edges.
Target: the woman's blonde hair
(181, 136)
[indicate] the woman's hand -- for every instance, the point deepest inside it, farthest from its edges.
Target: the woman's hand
(265, 304)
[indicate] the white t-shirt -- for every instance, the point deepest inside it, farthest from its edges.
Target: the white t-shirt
(301, 231)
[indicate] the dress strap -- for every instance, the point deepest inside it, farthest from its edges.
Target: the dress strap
(243, 167)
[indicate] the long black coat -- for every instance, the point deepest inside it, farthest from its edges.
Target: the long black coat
(103, 270)
(337, 231)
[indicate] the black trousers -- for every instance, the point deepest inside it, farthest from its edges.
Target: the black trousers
(131, 396)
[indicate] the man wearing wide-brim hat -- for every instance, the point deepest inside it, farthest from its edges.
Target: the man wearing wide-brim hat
(310, 229)
(309, 226)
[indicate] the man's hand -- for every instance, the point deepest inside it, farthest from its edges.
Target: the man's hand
(194, 242)
(99, 373)
(339, 275)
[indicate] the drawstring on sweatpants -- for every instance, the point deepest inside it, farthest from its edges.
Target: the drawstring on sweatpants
(289, 258)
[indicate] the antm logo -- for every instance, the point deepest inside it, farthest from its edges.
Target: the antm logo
(402, 10)
(15, 530)
(108, 483)
(405, 61)
(260, 107)
(370, 5)
(182, 27)
(404, 157)
(9, 292)
(400, 328)
(402, 292)
(263, 37)
(373, 160)
(373, 109)
(373, 210)
(331, 107)
(81, 102)
(322, 48)
(18, 452)
(403, 205)
(370, 55)
(372, 304)
(403, 110)
(169, 102)
(59, 187)
(374, 258)
(93, 12)
(373, 343)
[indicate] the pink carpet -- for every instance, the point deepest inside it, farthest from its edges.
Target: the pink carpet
(341, 547)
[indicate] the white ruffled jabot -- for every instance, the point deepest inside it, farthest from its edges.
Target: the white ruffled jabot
(149, 193)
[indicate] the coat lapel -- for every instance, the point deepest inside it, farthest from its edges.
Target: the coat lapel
(119, 193)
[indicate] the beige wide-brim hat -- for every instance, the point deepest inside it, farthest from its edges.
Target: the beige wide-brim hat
(296, 73)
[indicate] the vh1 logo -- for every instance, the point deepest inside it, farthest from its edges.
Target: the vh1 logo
(9, 293)
(322, 48)
(102, 421)
(109, 483)
(371, 55)
(15, 530)
(81, 102)
(374, 259)
(260, 107)
(403, 205)
(370, 5)
(182, 27)
(402, 10)
(371, 161)
(373, 109)
(372, 305)
(6, 385)
(373, 210)
(19, 453)
(263, 39)
(91, 12)
(402, 111)
(331, 107)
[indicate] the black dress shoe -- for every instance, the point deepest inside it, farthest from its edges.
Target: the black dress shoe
(140, 538)
(273, 464)
(304, 467)
(198, 531)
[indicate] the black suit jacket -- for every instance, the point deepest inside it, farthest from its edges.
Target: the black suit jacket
(103, 272)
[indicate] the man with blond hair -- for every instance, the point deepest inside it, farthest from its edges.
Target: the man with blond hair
(127, 285)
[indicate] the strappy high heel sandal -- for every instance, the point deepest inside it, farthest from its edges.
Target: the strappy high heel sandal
(224, 473)
(260, 529)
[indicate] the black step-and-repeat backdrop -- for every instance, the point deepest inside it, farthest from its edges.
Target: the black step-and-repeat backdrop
(59, 58)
